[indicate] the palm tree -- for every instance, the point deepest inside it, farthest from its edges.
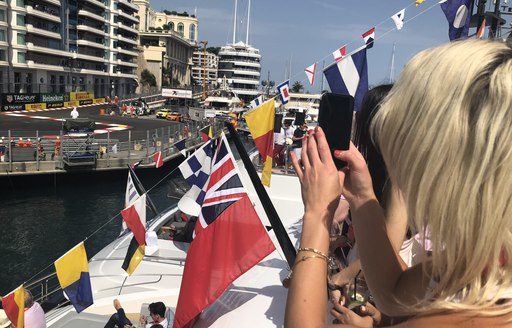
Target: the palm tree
(297, 87)
(147, 79)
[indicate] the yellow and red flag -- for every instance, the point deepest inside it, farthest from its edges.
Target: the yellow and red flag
(261, 125)
(14, 306)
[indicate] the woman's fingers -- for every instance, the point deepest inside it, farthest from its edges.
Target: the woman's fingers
(297, 166)
(306, 156)
(323, 147)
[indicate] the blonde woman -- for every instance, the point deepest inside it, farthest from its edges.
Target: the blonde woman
(444, 133)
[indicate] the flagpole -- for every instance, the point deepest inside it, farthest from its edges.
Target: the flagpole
(275, 221)
(141, 187)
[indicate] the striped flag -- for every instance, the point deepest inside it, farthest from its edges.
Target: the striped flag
(131, 192)
(135, 218)
(284, 91)
(369, 37)
(206, 133)
(229, 240)
(157, 157)
(398, 18)
(350, 76)
(73, 273)
(14, 306)
(256, 102)
(261, 125)
(181, 145)
(310, 73)
(338, 54)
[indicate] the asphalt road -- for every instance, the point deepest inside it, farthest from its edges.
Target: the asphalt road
(49, 123)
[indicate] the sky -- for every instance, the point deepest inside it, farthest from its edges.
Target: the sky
(296, 34)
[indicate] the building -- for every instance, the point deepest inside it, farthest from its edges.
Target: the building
(167, 40)
(52, 46)
(199, 67)
(240, 64)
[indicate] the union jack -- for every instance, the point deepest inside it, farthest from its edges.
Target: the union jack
(224, 186)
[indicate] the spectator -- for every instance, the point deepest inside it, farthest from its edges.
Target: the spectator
(278, 155)
(34, 314)
(74, 113)
(447, 152)
(119, 318)
(157, 315)
(298, 135)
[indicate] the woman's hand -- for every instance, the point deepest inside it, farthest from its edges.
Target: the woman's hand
(367, 316)
(357, 180)
(320, 180)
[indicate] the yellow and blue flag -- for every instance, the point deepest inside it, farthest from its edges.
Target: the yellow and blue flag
(73, 273)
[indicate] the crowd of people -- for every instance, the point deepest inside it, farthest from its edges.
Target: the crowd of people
(430, 164)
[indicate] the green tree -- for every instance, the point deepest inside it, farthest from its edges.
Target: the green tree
(297, 87)
(213, 50)
(147, 79)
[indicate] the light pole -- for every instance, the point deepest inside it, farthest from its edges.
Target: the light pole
(204, 43)
(267, 84)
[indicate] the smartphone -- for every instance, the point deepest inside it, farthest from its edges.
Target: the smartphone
(335, 118)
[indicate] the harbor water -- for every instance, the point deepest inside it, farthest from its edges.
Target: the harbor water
(38, 224)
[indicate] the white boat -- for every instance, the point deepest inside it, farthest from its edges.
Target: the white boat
(255, 299)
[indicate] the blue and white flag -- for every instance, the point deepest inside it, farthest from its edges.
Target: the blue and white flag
(284, 91)
(398, 18)
(256, 102)
(458, 14)
(196, 171)
(350, 76)
(181, 146)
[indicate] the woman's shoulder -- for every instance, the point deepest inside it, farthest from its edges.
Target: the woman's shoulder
(457, 320)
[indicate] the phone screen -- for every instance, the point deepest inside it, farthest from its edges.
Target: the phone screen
(335, 118)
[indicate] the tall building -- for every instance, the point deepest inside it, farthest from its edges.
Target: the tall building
(52, 46)
(167, 40)
(198, 69)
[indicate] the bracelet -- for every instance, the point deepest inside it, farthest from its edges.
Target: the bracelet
(307, 249)
(287, 280)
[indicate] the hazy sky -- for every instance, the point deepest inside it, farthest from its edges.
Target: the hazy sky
(305, 32)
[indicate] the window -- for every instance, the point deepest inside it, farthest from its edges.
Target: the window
(21, 39)
(20, 20)
(3, 55)
(20, 3)
(2, 15)
(180, 28)
(192, 32)
(22, 58)
(2, 35)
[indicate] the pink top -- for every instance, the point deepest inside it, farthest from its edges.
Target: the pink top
(34, 317)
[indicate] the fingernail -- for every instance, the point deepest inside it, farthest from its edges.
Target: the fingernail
(338, 153)
(316, 129)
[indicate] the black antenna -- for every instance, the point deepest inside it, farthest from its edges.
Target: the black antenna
(275, 222)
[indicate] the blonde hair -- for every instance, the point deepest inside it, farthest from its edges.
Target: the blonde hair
(445, 132)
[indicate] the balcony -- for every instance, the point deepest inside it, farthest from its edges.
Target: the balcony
(48, 14)
(129, 4)
(53, 2)
(46, 50)
(83, 12)
(127, 40)
(40, 31)
(127, 51)
(87, 43)
(86, 28)
(126, 63)
(127, 28)
(127, 16)
(97, 3)
(91, 58)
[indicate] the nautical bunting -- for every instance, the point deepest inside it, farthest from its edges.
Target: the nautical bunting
(135, 218)
(157, 157)
(458, 14)
(14, 306)
(261, 125)
(350, 76)
(338, 54)
(256, 102)
(284, 91)
(206, 133)
(481, 30)
(196, 171)
(310, 73)
(419, 2)
(181, 146)
(398, 18)
(369, 37)
(229, 240)
(73, 273)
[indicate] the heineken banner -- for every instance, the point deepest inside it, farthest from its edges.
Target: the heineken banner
(54, 100)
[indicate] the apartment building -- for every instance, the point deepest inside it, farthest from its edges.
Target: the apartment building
(53, 46)
(212, 62)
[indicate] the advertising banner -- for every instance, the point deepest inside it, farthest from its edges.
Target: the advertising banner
(35, 106)
(71, 104)
(26, 98)
(82, 95)
(177, 93)
(54, 100)
(12, 107)
(85, 102)
(99, 100)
